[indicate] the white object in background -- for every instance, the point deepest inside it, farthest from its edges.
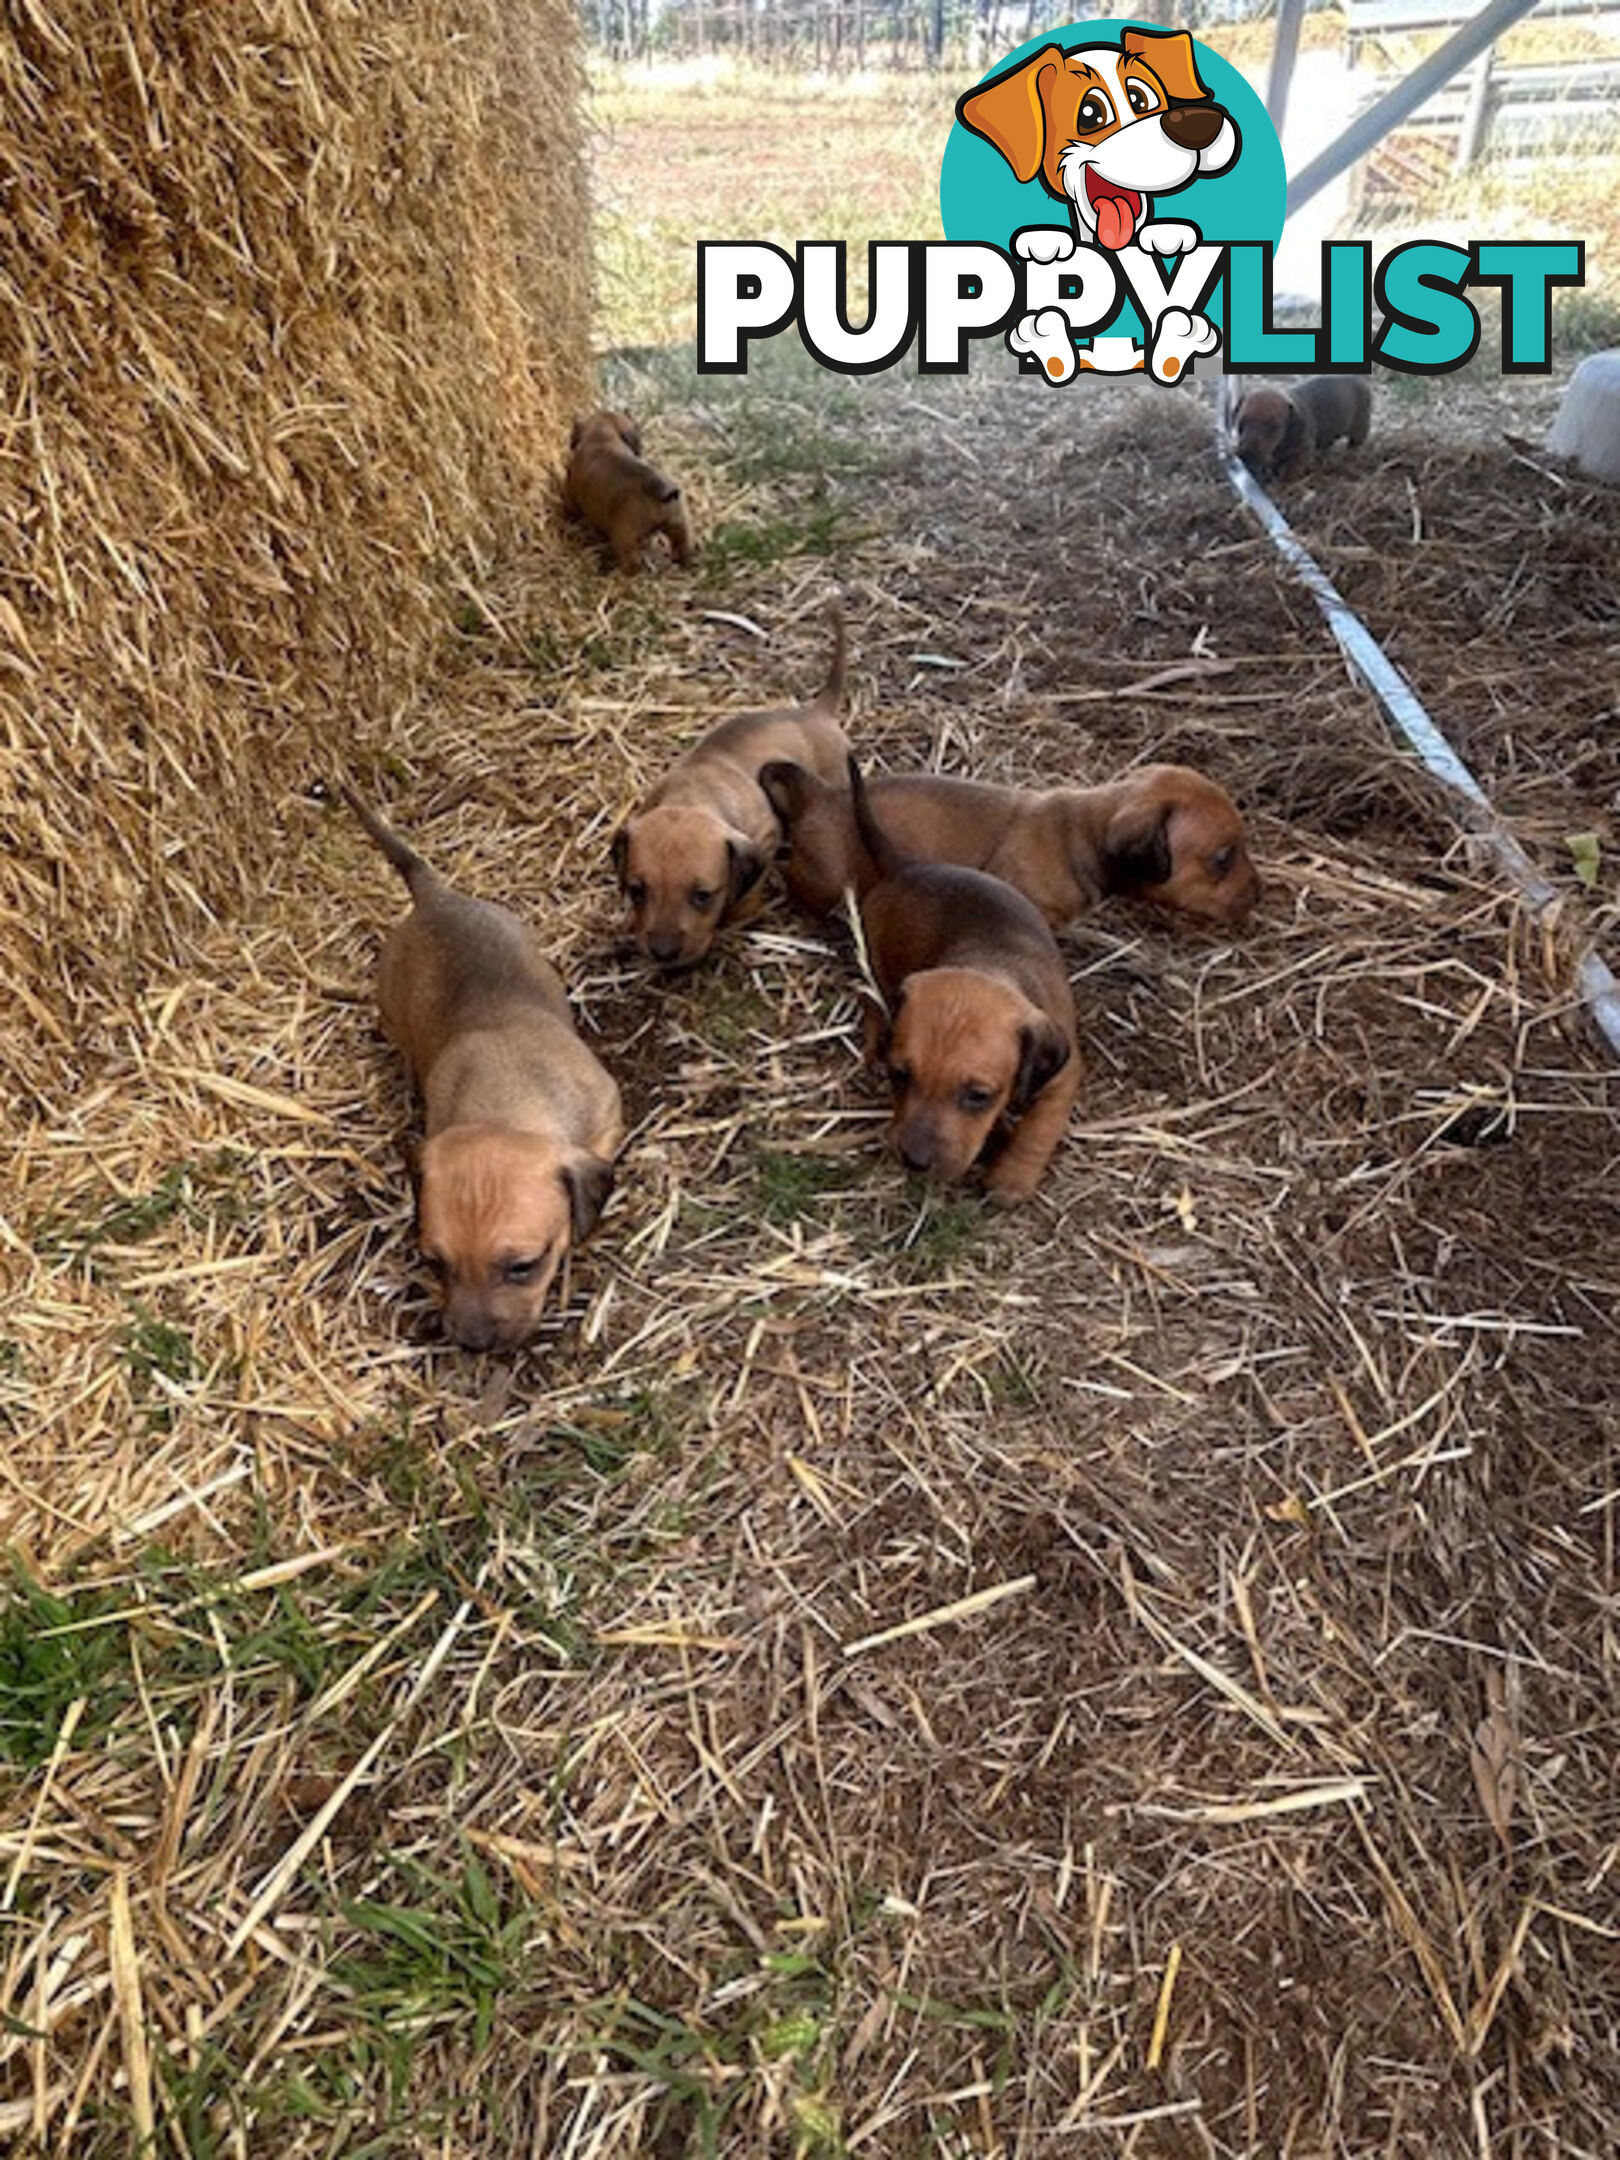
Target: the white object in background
(1588, 425)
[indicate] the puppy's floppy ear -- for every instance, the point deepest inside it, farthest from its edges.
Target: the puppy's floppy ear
(748, 866)
(877, 1026)
(587, 1180)
(629, 433)
(1169, 53)
(1043, 1052)
(619, 852)
(785, 789)
(1136, 845)
(1009, 113)
(1296, 439)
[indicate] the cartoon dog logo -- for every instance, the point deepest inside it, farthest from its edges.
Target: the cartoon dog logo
(1107, 128)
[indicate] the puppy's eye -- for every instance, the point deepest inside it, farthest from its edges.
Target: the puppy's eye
(636, 891)
(702, 896)
(899, 1078)
(1221, 862)
(522, 1271)
(436, 1264)
(1095, 111)
(976, 1100)
(1140, 99)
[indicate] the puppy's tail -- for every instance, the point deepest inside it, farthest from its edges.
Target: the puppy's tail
(887, 859)
(832, 693)
(411, 866)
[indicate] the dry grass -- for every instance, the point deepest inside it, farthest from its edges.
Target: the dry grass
(879, 1678)
(295, 300)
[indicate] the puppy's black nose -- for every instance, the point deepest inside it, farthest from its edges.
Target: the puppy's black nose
(475, 1332)
(1192, 127)
(917, 1155)
(664, 949)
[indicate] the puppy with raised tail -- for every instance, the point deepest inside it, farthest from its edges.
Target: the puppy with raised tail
(522, 1123)
(701, 840)
(1164, 833)
(979, 1037)
(1282, 433)
(612, 487)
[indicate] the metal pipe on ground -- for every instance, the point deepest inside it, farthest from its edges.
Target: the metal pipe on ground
(1369, 660)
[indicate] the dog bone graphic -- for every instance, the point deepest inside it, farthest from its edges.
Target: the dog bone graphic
(1044, 243)
(1045, 337)
(1178, 340)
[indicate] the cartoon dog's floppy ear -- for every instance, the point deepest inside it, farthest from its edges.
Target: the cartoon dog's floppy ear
(1169, 53)
(1009, 113)
(747, 867)
(1043, 1053)
(587, 1180)
(1136, 846)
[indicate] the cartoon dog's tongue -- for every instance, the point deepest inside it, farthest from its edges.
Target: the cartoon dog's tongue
(1117, 208)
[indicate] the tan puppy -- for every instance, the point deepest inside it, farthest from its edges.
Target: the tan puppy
(1281, 433)
(610, 485)
(702, 839)
(522, 1122)
(979, 1041)
(1164, 833)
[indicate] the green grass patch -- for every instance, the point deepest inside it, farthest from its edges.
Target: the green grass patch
(798, 1188)
(948, 1229)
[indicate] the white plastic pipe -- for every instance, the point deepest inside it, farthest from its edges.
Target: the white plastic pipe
(1385, 680)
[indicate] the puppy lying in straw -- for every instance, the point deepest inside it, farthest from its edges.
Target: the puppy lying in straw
(979, 1037)
(1164, 833)
(1282, 433)
(611, 486)
(522, 1122)
(703, 837)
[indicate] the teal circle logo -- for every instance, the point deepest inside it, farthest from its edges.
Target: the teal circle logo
(1114, 132)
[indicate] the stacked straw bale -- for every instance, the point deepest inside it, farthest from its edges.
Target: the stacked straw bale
(295, 297)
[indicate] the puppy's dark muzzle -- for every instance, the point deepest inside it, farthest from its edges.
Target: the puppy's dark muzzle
(918, 1148)
(666, 951)
(1193, 127)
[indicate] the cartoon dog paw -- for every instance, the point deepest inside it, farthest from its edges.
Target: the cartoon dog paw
(1180, 339)
(1168, 236)
(1044, 243)
(1045, 339)
(1113, 356)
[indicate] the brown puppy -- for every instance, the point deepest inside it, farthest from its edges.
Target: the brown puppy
(522, 1122)
(979, 1040)
(702, 839)
(610, 485)
(1164, 833)
(1280, 433)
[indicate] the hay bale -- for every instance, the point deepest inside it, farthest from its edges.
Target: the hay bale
(296, 297)
(1587, 428)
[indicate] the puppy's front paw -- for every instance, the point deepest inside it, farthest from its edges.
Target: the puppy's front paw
(1044, 243)
(1046, 339)
(1168, 236)
(1179, 340)
(1008, 1192)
